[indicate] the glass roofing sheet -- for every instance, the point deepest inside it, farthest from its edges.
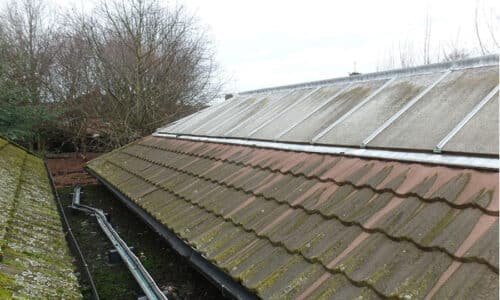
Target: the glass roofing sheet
(480, 134)
(298, 112)
(196, 120)
(353, 130)
(224, 123)
(313, 125)
(436, 98)
(428, 121)
(210, 120)
(268, 112)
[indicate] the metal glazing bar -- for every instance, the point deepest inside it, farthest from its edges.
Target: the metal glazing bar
(341, 91)
(187, 118)
(211, 109)
(220, 106)
(247, 120)
(285, 110)
(402, 110)
(352, 110)
(205, 124)
(176, 123)
(211, 131)
(466, 119)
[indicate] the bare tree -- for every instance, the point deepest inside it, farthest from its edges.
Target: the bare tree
(150, 64)
(488, 43)
(28, 32)
(476, 27)
(453, 50)
(427, 38)
(406, 56)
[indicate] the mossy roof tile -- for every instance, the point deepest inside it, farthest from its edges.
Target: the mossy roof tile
(294, 225)
(34, 257)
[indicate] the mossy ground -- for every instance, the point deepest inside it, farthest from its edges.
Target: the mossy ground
(114, 281)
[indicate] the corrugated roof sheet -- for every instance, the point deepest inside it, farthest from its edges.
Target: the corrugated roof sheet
(35, 262)
(404, 109)
(303, 225)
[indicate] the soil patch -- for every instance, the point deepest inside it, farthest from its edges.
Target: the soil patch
(67, 168)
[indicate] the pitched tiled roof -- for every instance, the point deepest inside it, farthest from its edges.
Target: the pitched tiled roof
(34, 258)
(297, 225)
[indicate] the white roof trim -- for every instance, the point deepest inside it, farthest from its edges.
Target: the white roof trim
(426, 158)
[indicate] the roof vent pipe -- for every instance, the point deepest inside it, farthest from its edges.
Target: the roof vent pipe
(354, 72)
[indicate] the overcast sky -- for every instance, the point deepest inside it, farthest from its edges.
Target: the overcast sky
(262, 43)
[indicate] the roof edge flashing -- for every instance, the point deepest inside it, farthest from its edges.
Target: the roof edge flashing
(474, 62)
(418, 157)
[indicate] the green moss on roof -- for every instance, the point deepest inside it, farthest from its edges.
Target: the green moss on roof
(34, 257)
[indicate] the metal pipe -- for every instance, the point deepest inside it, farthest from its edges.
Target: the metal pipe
(141, 275)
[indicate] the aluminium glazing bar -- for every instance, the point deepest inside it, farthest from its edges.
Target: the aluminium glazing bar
(403, 110)
(341, 91)
(185, 119)
(247, 120)
(237, 115)
(240, 101)
(284, 111)
(466, 119)
(352, 110)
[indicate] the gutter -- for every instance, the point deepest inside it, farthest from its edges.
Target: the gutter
(226, 284)
(70, 237)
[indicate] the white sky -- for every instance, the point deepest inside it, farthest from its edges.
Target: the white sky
(262, 43)
(266, 43)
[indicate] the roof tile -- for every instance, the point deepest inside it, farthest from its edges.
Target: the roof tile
(295, 224)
